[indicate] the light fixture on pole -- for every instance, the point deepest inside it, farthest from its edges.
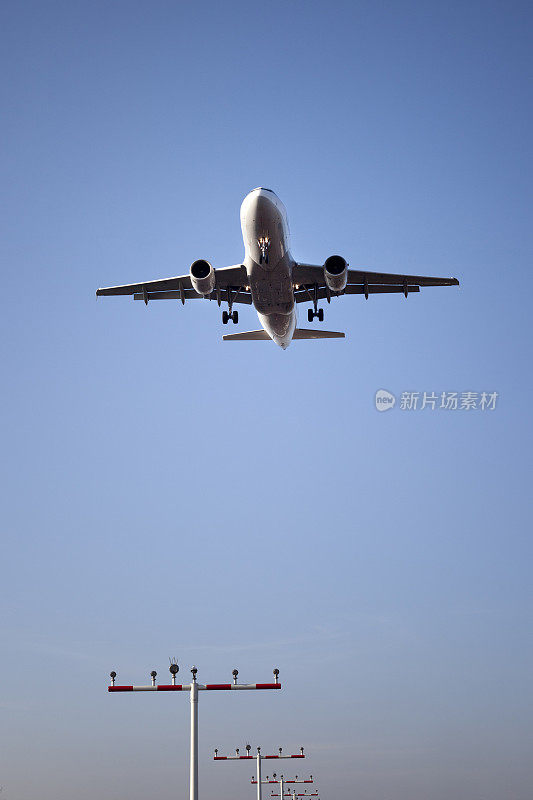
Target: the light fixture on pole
(258, 758)
(193, 688)
(282, 781)
(275, 779)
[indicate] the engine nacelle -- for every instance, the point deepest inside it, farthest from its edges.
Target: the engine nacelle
(202, 277)
(336, 273)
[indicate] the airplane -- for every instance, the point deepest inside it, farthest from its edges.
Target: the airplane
(271, 280)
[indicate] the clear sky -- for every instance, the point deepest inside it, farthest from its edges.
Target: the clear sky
(166, 493)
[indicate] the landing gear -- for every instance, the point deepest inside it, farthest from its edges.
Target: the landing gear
(264, 244)
(315, 311)
(231, 292)
(319, 313)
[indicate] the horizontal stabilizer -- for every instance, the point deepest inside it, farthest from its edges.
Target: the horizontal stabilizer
(247, 335)
(310, 333)
(299, 333)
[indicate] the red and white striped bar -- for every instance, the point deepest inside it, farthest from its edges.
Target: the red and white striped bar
(286, 780)
(210, 687)
(281, 781)
(252, 758)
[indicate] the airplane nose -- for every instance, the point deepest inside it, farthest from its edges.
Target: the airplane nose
(256, 203)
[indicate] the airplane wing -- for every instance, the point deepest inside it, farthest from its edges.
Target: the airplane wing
(310, 279)
(229, 282)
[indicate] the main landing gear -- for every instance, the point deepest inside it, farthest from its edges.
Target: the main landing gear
(318, 312)
(230, 295)
(315, 311)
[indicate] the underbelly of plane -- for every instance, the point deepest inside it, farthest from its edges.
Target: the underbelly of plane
(272, 291)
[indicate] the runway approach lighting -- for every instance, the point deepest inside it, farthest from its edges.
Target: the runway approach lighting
(282, 781)
(258, 758)
(193, 688)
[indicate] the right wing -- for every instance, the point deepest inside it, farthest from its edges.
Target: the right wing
(310, 280)
(228, 281)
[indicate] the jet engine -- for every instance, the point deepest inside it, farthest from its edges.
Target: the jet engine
(336, 273)
(202, 277)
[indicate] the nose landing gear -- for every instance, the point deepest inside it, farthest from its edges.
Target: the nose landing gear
(264, 244)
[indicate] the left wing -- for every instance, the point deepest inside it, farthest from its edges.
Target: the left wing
(310, 278)
(230, 282)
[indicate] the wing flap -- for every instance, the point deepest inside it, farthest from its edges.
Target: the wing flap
(242, 297)
(186, 294)
(302, 296)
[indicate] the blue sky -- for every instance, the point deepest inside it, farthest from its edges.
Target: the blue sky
(166, 493)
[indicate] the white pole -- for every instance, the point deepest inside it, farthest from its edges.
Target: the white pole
(258, 774)
(281, 787)
(194, 741)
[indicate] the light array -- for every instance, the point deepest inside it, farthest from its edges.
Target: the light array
(193, 688)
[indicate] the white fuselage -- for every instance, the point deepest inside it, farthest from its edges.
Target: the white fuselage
(268, 262)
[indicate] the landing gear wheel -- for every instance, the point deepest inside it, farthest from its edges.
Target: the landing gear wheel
(321, 315)
(235, 317)
(310, 315)
(225, 317)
